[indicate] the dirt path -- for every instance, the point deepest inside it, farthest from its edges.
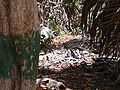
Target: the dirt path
(99, 75)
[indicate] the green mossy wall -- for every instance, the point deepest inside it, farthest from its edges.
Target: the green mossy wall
(21, 51)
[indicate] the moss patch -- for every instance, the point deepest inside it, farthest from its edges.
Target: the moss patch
(7, 56)
(21, 51)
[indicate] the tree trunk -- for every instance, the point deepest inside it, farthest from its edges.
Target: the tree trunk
(19, 42)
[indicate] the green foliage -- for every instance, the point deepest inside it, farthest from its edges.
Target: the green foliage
(100, 20)
(67, 1)
(62, 16)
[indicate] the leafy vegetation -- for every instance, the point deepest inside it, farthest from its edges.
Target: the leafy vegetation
(101, 20)
(98, 21)
(61, 16)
